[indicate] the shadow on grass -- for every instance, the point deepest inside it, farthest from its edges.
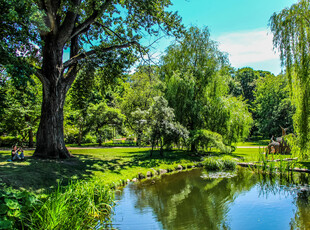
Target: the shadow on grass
(41, 175)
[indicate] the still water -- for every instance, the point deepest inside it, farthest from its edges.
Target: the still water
(202, 200)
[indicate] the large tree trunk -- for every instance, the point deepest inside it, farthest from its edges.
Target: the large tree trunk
(50, 135)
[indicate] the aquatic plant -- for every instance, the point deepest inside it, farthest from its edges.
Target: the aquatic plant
(81, 205)
(214, 164)
(271, 167)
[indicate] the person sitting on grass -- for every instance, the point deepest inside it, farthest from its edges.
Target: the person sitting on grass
(15, 155)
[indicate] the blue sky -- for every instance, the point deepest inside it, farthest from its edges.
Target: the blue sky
(239, 26)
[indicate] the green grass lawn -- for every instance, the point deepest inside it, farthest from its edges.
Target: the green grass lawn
(111, 164)
(254, 143)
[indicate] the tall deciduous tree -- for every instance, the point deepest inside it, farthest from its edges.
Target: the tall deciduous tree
(22, 109)
(247, 78)
(162, 125)
(272, 104)
(139, 92)
(195, 72)
(101, 116)
(106, 26)
(291, 36)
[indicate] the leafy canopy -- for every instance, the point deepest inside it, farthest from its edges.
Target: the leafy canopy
(291, 37)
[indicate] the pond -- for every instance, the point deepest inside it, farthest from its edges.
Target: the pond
(201, 200)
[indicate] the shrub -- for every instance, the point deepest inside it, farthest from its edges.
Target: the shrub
(8, 141)
(205, 138)
(89, 139)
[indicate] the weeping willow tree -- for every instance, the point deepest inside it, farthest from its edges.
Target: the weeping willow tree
(291, 30)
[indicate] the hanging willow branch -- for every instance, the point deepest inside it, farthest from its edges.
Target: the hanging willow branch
(291, 30)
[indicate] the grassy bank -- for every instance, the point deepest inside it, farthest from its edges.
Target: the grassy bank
(91, 168)
(111, 164)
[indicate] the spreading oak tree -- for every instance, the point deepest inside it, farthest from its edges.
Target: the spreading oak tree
(90, 30)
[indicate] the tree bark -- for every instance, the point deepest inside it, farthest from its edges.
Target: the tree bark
(50, 135)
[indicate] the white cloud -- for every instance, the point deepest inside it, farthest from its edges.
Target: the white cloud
(249, 48)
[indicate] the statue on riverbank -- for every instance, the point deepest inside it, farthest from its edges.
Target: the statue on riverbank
(279, 145)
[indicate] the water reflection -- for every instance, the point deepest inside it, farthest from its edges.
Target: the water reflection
(194, 200)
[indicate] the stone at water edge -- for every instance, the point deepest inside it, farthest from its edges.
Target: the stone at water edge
(149, 174)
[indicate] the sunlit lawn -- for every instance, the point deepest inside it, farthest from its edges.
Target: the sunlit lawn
(112, 164)
(254, 143)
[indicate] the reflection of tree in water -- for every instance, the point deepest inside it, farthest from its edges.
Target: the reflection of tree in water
(302, 215)
(186, 201)
(285, 184)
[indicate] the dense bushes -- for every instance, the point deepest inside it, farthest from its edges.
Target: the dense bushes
(205, 138)
(8, 141)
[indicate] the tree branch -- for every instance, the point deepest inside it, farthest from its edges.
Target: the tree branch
(106, 28)
(81, 56)
(81, 28)
(67, 26)
(39, 74)
(51, 12)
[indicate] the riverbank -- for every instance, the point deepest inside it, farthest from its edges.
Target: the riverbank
(112, 167)
(112, 164)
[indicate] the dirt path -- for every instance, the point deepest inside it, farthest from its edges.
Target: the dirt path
(250, 147)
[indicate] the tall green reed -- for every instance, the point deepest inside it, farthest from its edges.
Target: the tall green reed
(80, 205)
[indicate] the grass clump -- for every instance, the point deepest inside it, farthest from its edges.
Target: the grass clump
(215, 164)
(80, 205)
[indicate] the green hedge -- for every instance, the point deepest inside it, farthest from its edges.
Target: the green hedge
(8, 141)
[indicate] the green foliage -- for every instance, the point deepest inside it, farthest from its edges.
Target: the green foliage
(273, 107)
(179, 92)
(205, 138)
(71, 134)
(80, 205)
(9, 141)
(197, 76)
(17, 37)
(291, 36)
(240, 120)
(22, 109)
(162, 126)
(247, 77)
(139, 91)
(15, 208)
(214, 164)
(101, 116)
(82, 90)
